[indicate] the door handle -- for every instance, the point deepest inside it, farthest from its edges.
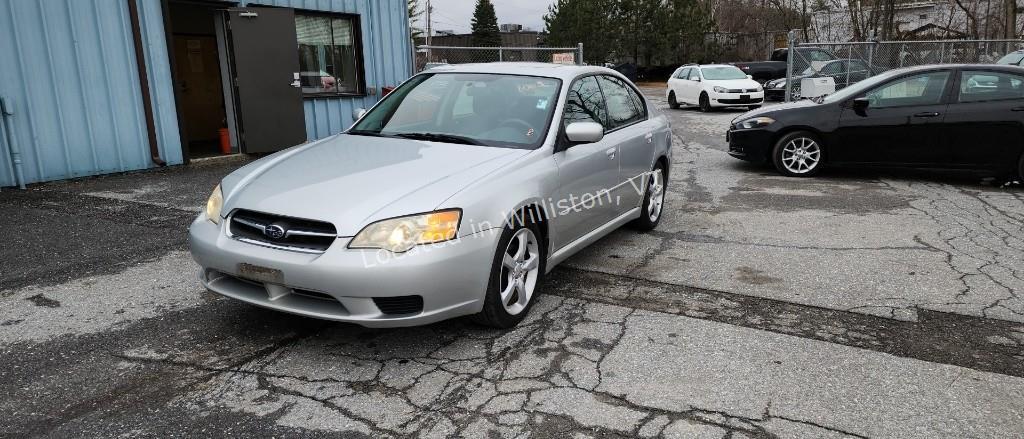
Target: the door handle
(927, 114)
(1017, 109)
(649, 137)
(610, 153)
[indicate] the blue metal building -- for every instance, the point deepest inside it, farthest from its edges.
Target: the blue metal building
(211, 80)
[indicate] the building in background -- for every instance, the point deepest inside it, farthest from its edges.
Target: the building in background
(262, 78)
(510, 27)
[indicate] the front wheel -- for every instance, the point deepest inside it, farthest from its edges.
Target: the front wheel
(705, 103)
(654, 200)
(798, 154)
(672, 102)
(517, 269)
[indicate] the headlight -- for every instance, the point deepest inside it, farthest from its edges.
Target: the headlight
(757, 122)
(719, 89)
(214, 205)
(400, 235)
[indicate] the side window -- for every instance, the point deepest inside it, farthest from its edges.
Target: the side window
(683, 73)
(923, 89)
(977, 86)
(622, 110)
(695, 74)
(832, 68)
(585, 103)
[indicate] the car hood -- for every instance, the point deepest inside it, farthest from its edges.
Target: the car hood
(734, 83)
(351, 180)
(776, 109)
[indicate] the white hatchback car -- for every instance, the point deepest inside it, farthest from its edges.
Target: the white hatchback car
(710, 86)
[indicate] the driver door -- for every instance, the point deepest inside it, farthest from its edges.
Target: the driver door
(586, 172)
(903, 124)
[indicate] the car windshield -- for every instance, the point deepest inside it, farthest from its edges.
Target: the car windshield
(859, 87)
(1011, 59)
(471, 108)
(723, 73)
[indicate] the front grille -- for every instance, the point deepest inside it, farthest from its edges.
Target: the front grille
(740, 90)
(298, 234)
(400, 304)
(740, 101)
(751, 90)
(314, 295)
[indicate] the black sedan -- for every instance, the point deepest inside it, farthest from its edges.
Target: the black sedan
(957, 117)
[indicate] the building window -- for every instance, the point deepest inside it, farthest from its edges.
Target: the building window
(329, 54)
(923, 16)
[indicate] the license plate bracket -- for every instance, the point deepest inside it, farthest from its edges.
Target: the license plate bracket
(745, 97)
(261, 274)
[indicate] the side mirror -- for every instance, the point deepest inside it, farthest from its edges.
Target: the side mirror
(358, 113)
(750, 77)
(860, 105)
(584, 132)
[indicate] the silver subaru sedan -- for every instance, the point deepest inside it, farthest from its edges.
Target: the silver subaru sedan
(453, 196)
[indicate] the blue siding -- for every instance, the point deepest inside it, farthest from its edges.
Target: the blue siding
(68, 69)
(387, 52)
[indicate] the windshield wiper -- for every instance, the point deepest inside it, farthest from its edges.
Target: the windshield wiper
(436, 137)
(368, 133)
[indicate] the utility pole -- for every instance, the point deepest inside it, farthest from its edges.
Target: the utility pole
(1011, 19)
(429, 32)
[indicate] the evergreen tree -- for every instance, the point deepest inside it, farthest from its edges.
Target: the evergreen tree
(414, 14)
(485, 25)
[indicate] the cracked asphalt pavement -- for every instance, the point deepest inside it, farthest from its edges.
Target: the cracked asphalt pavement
(855, 304)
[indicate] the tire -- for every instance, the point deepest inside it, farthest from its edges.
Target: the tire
(653, 207)
(798, 154)
(705, 103)
(753, 107)
(672, 102)
(506, 315)
(1020, 170)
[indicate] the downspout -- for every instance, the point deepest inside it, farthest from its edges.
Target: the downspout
(147, 99)
(7, 111)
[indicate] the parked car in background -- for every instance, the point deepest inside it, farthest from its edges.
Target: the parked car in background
(453, 196)
(1015, 58)
(777, 64)
(964, 117)
(843, 71)
(713, 86)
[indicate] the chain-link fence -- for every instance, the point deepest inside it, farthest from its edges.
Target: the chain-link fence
(829, 67)
(427, 56)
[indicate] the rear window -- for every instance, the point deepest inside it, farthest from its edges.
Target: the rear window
(1012, 59)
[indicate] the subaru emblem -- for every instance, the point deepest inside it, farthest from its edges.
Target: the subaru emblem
(274, 231)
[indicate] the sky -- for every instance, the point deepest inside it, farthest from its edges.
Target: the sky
(456, 14)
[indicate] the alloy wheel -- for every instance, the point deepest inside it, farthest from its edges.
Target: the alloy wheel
(801, 155)
(520, 267)
(656, 189)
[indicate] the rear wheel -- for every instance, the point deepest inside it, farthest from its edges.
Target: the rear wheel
(654, 200)
(705, 102)
(517, 269)
(798, 154)
(672, 102)
(1020, 170)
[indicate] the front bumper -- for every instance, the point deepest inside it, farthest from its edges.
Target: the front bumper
(347, 285)
(753, 145)
(736, 99)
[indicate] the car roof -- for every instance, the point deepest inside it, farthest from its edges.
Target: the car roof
(564, 72)
(1000, 67)
(711, 65)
